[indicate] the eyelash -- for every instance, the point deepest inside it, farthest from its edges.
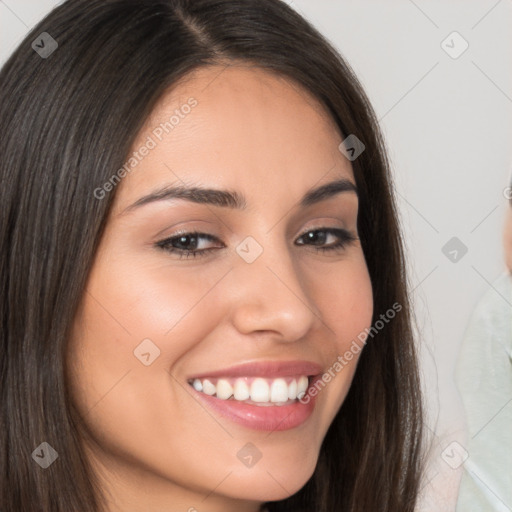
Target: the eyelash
(345, 238)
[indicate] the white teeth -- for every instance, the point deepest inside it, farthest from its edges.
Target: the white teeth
(224, 389)
(241, 390)
(279, 391)
(208, 387)
(292, 390)
(302, 386)
(262, 391)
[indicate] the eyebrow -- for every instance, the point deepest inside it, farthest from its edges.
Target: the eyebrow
(233, 199)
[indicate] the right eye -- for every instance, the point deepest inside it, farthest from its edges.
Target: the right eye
(189, 244)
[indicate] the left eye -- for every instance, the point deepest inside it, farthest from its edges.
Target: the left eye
(193, 244)
(319, 238)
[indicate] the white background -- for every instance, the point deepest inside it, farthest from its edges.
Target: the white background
(447, 126)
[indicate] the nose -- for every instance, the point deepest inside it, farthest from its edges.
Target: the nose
(270, 295)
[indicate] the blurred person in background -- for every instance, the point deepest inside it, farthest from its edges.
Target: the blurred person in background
(484, 379)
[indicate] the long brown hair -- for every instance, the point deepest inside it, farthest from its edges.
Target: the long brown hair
(67, 123)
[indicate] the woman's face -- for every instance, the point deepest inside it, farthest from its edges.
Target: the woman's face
(267, 294)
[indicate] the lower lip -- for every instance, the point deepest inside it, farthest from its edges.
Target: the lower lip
(267, 417)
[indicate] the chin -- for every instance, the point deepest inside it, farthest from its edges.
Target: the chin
(271, 484)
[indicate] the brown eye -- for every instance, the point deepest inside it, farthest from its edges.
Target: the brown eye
(189, 244)
(327, 239)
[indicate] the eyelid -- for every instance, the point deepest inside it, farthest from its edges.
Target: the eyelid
(189, 232)
(323, 227)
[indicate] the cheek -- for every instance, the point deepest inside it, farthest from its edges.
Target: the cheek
(132, 329)
(343, 295)
(345, 299)
(124, 400)
(127, 315)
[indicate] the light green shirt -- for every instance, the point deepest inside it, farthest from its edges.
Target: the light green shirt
(484, 379)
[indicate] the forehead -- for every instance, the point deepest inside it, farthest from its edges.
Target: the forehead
(236, 126)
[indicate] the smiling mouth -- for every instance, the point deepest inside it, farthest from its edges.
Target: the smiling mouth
(254, 390)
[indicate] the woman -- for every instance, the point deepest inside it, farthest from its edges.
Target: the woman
(203, 284)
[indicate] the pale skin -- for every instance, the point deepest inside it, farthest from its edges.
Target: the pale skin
(507, 238)
(156, 448)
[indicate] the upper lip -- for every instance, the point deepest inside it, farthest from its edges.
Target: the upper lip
(265, 369)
